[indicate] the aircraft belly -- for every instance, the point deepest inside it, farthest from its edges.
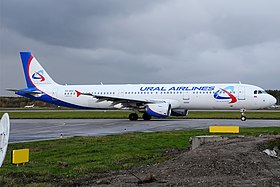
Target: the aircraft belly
(93, 103)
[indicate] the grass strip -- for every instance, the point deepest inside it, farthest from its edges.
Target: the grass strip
(124, 115)
(66, 161)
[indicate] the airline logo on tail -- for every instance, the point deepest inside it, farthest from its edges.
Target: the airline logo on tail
(39, 76)
(225, 93)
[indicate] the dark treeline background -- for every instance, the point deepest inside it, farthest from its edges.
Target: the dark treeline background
(276, 94)
(20, 102)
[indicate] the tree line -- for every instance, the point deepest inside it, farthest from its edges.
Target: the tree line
(20, 102)
(276, 94)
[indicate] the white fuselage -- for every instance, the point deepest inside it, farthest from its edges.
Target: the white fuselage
(188, 96)
(158, 100)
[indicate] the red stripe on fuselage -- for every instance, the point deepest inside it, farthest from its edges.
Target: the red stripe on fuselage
(233, 98)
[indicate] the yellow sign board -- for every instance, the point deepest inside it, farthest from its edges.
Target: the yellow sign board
(224, 129)
(20, 156)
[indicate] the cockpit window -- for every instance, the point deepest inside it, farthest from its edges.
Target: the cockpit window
(259, 92)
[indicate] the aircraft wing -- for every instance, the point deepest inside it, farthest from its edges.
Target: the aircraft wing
(126, 102)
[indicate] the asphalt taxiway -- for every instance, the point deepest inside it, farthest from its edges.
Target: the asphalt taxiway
(42, 129)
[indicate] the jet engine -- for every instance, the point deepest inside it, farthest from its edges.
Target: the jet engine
(160, 110)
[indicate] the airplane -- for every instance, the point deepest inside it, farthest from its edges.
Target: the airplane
(153, 100)
(29, 106)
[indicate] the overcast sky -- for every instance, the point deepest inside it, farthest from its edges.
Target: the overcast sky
(142, 41)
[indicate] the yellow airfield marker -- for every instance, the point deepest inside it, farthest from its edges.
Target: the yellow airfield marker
(20, 156)
(224, 129)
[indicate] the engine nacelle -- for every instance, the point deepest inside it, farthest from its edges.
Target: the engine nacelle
(179, 112)
(160, 110)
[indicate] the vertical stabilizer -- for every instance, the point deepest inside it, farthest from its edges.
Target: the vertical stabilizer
(33, 71)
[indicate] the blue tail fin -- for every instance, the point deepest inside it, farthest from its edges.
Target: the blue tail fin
(35, 74)
(26, 58)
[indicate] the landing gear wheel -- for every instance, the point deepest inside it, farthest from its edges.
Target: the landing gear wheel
(146, 117)
(133, 117)
(243, 118)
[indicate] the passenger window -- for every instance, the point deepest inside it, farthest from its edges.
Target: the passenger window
(255, 92)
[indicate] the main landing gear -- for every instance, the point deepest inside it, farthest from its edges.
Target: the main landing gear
(243, 117)
(134, 117)
(146, 117)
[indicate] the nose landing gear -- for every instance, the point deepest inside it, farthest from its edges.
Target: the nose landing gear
(243, 117)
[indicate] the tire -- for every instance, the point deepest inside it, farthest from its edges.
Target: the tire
(243, 118)
(133, 117)
(146, 117)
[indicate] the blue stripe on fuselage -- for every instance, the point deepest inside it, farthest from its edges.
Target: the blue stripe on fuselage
(51, 100)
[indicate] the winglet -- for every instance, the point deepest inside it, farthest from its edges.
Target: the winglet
(78, 93)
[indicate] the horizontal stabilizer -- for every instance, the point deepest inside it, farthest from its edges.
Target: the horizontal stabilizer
(32, 92)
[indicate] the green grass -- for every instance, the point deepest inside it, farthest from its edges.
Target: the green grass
(80, 158)
(69, 115)
(124, 115)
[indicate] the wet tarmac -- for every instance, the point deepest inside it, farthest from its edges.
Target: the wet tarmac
(42, 129)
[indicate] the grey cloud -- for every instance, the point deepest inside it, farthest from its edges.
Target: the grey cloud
(67, 23)
(85, 42)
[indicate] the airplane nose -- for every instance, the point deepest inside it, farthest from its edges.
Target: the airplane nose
(273, 100)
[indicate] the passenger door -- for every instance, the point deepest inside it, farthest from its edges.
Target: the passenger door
(241, 93)
(186, 96)
(54, 94)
